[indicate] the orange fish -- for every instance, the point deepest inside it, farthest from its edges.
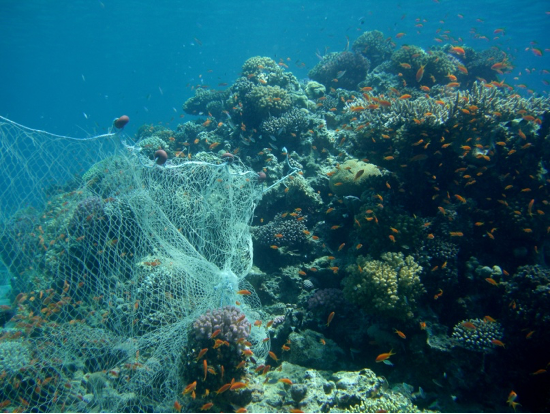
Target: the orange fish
(469, 325)
(215, 333)
(422, 325)
(491, 281)
(420, 73)
(244, 292)
(191, 387)
(383, 357)
(401, 334)
(207, 406)
(405, 96)
(201, 354)
(273, 356)
(223, 388)
(285, 381)
(497, 343)
(205, 365)
(540, 371)
(457, 50)
(330, 317)
(438, 294)
(237, 386)
(177, 406)
(341, 246)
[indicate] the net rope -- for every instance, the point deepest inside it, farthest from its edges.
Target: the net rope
(111, 258)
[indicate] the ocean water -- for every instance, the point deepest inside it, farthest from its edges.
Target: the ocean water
(70, 68)
(477, 224)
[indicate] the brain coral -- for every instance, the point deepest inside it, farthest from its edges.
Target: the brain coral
(390, 286)
(344, 181)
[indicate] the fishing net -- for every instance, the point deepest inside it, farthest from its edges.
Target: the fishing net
(111, 258)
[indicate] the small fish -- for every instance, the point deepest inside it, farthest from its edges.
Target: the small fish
(468, 325)
(420, 73)
(223, 388)
(191, 387)
(244, 292)
(401, 334)
(359, 174)
(498, 343)
(340, 74)
(237, 386)
(385, 356)
(201, 353)
(330, 317)
(285, 381)
(207, 406)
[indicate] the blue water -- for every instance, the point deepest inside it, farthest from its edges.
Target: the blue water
(72, 67)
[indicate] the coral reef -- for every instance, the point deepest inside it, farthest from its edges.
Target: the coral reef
(342, 70)
(374, 46)
(390, 286)
(284, 230)
(231, 323)
(325, 299)
(478, 335)
(291, 122)
(353, 177)
(263, 101)
(528, 290)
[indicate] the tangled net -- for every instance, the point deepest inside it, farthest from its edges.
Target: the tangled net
(111, 259)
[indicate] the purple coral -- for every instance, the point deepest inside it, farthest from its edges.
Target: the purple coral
(325, 299)
(231, 322)
(86, 216)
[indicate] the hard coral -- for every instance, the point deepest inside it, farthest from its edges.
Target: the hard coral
(343, 70)
(390, 286)
(283, 230)
(263, 101)
(228, 321)
(477, 335)
(374, 46)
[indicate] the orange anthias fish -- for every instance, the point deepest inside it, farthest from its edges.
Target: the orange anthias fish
(401, 334)
(420, 73)
(330, 317)
(191, 387)
(383, 357)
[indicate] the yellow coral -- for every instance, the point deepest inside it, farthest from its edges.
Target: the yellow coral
(345, 181)
(389, 286)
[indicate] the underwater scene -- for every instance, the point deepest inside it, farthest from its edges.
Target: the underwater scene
(275, 206)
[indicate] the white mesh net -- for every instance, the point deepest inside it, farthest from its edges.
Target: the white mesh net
(111, 258)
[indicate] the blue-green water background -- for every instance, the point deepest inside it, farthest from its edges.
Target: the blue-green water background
(70, 67)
